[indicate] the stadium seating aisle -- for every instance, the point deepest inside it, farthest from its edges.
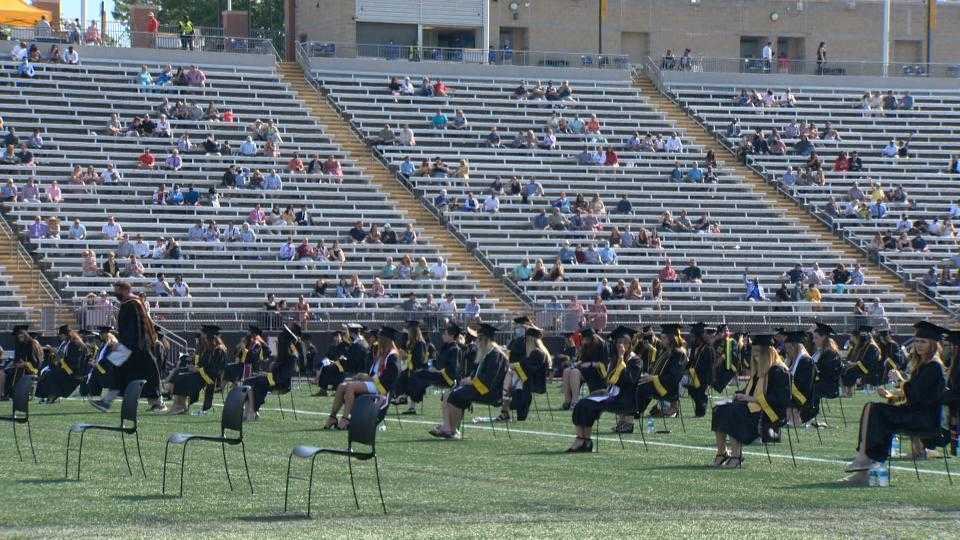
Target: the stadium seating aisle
(753, 236)
(930, 189)
(228, 281)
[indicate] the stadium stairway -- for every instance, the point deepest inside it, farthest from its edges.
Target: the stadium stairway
(25, 276)
(341, 133)
(778, 200)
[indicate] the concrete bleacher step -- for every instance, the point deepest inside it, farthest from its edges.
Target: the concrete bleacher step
(410, 207)
(25, 280)
(780, 201)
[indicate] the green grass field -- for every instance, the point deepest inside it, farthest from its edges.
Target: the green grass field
(484, 486)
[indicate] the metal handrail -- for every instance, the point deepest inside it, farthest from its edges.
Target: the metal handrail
(849, 67)
(24, 260)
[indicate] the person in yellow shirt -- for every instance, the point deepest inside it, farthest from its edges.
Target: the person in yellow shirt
(878, 195)
(814, 295)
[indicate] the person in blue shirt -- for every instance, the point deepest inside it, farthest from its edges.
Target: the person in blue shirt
(567, 254)
(175, 196)
(191, 197)
(624, 206)
(606, 253)
(272, 181)
(523, 272)
(440, 120)
(754, 291)
(407, 168)
(25, 69)
(540, 221)
(906, 102)
(878, 210)
(598, 157)
(676, 175)
(695, 174)
(470, 204)
(562, 203)
(441, 201)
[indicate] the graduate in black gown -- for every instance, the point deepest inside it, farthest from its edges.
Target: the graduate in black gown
(445, 371)
(662, 382)
(756, 411)
(27, 358)
(251, 356)
(416, 358)
(516, 353)
(915, 406)
(892, 355)
(804, 404)
(863, 361)
(951, 397)
(204, 374)
(623, 375)
(527, 376)
(277, 377)
(726, 358)
(484, 385)
(828, 362)
(588, 367)
(337, 365)
(700, 369)
(100, 376)
(65, 375)
(378, 381)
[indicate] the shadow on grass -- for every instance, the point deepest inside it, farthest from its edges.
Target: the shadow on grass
(680, 467)
(821, 485)
(45, 481)
(276, 518)
(150, 497)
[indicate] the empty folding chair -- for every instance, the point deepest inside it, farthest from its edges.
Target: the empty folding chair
(230, 420)
(21, 414)
(364, 418)
(128, 426)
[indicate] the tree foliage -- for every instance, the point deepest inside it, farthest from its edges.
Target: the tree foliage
(265, 15)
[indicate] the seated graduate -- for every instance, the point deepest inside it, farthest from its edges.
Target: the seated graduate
(726, 357)
(60, 379)
(445, 371)
(485, 385)
(203, 374)
(915, 406)
(527, 376)
(804, 404)
(416, 358)
(828, 362)
(516, 352)
(378, 381)
(102, 373)
(623, 375)
(645, 346)
(251, 354)
(892, 354)
(700, 369)
(27, 357)
(341, 360)
(279, 374)
(662, 381)
(588, 367)
(863, 361)
(758, 410)
(951, 398)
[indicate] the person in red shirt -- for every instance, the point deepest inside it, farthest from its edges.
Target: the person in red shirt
(153, 25)
(611, 159)
(440, 89)
(842, 162)
(146, 160)
(228, 116)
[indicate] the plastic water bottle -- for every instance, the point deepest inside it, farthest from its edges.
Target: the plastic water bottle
(895, 447)
(883, 476)
(651, 425)
(382, 426)
(874, 475)
(867, 389)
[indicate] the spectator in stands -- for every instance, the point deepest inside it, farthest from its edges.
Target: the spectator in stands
(71, 56)
(19, 51)
(441, 201)
(463, 170)
(593, 126)
(388, 236)
(393, 86)
(160, 287)
(111, 230)
(110, 268)
(877, 209)
(522, 271)
(357, 232)
(906, 101)
(692, 273)
(38, 229)
(491, 203)
(332, 167)
(92, 35)
(440, 89)
(385, 136)
(459, 120)
(196, 77)
(919, 243)
(406, 136)
(144, 78)
(549, 141)
(803, 147)
(889, 101)
(903, 147)
(272, 181)
(607, 254)
(754, 290)
(493, 138)
(30, 192)
(25, 69)
(409, 235)
(673, 144)
(133, 268)
(287, 251)
(470, 203)
(146, 160)
(597, 315)
(36, 139)
(890, 150)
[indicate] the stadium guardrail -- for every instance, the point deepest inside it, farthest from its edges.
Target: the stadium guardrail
(414, 53)
(809, 67)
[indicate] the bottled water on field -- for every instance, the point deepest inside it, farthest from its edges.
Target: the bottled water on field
(895, 447)
(382, 426)
(874, 475)
(650, 425)
(883, 476)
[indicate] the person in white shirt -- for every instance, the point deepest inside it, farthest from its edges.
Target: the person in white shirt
(71, 56)
(472, 310)
(767, 55)
(673, 144)
(439, 269)
(111, 175)
(491, 203)
(287, 251)
(111, 229)
(954, 210)
(159, 249)
(447, 306)
(406, 87)
(163, 128)
(78, 231)
(247, 234)
(180, 287)
(890, 150)
(19, 52)
(935, 227)
(903, 225)
(248, 148)
(816, 276)
(195, 232)
(43, 28)
(406, 136)
(161, 287)
(140, 248)
(876, 309)
(856, 275)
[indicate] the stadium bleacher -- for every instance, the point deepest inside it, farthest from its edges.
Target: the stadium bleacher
(754, 236)
(929, 126)
(228, 281)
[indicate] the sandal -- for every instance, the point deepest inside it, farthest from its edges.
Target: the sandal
(344, 423)
(732, 462)
(720, 459)
(575, 447)
(502, 418)
(331, 423)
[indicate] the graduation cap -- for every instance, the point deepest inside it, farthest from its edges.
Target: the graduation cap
(671, 329)
(762, 339)
(862, 328)
(533, 331)
(781, 331)
(454, 329)
(621, 331)
(388, 332)
(647, 328)
(19, 328)
(255, 330)
(587, 333)
(824, 329)
(210, 330)
(488, 330)
(104, 329)
(470, 333)
(521, 320)
(413, 323)
(294, 330)
(63, 330)
(354, 327)
(698, 329)
(798, 336)
(929, 330)
(721, 328)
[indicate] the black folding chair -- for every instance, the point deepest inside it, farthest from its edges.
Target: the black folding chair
(21, 414)
(293, 404)
(363, 429)
(230, 420)
(128, 414)
(767, 440)
(923, 435)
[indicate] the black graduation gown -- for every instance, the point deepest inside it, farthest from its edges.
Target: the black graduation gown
(725, 363)
(339, 367)
(281, 372)
(486, 384)
(415, 361)
(30, 356)
(867, 366)
(920, 410)
(251, 359)
(209, 371)
(829, 370)
(803, 395)
(532, 372)
(743, 421)
(668, 370)
(135, 330)
(595, 376)
(892, 357)
(620, 398)
(385, 374)
(700, 374)
(62, 378)
(101, 373)
(445, 372)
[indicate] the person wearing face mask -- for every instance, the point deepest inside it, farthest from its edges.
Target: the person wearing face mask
(516, 352)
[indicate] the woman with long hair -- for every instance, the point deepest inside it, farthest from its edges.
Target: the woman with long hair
(622, 376)
(415, 350)
(803, 403)
(863, 360)
(63, 377)
(378, 381)
(445, 370)
(528, 375)
(700, 371)
(279, 375)
(484, 385)
(662, 382)
(914, 406)
(588, 367)
(763, 403)
(205, 373)
(826, 356)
